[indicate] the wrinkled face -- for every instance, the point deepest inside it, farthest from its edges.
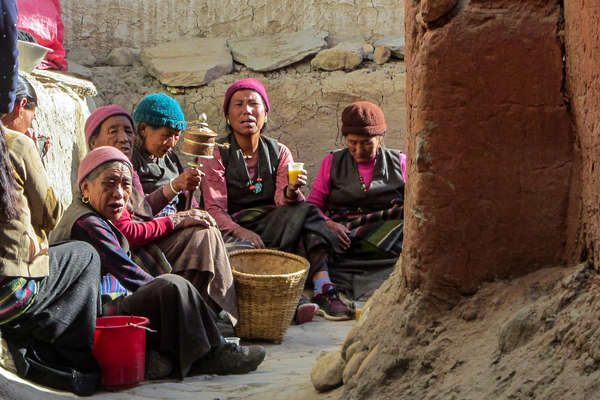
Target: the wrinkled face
(115, 131)
(158, 141)
(110, 191)
(362, 148)
(246, 112)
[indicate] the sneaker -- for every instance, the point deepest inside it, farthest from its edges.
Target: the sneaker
(330, 305)
(230, 358)
(305, 311)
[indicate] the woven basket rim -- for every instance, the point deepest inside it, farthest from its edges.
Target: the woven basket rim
(303, 260)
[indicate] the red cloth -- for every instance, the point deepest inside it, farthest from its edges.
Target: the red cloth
(141, 233)
(42, 18)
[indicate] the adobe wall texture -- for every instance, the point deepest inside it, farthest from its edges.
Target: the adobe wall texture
(582, 43)
(135, 23)
(490, 142)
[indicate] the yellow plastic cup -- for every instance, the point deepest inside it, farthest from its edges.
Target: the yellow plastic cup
(294, 169)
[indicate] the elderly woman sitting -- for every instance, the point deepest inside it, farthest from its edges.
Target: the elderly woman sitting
(360, 190)
(190, 239)
(186, 331)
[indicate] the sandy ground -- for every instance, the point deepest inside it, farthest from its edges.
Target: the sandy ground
(285, 373)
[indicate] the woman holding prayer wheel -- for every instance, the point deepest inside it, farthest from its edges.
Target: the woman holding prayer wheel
(187, 242)
(160, 124)
(246, 190)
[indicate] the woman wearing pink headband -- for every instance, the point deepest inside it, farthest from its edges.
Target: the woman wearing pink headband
(189, 239)
(185, 334)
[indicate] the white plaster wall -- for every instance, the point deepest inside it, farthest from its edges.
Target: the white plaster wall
(61, 114)
(101, 25)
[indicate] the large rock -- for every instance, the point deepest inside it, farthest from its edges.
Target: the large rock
(268, 53)
(345, 56)
(328, 371)
(79, 70)
(121, 56)
(82, 56)
(188, 62)
(395, 43)
(381, 55)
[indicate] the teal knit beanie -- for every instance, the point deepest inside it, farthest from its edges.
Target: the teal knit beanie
(158, 109)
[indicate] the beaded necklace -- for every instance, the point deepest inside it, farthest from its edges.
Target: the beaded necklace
(362, 184)
(255, 185)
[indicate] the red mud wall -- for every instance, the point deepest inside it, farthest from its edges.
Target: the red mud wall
(582, 43)
(489, 134)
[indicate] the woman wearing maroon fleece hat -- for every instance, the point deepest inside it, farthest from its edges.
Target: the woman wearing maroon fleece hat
(246, 190)
(360, 190)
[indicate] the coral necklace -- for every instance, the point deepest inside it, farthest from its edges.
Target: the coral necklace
(255, 185)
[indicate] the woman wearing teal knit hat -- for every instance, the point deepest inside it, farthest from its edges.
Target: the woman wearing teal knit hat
(196, 251)
(160, 122)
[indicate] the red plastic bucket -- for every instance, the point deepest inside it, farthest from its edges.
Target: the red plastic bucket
(120, 348)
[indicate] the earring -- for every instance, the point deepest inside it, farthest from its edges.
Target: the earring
(227, 120)
(85, 200)
(266, 118)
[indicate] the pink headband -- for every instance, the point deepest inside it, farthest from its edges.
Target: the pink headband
(100, 115)
(97, 157)
(248, 83)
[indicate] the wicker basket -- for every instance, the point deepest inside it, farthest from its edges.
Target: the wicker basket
(268, 285)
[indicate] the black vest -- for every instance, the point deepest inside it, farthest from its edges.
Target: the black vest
(239, 195)
(156, 174)
(387, 185)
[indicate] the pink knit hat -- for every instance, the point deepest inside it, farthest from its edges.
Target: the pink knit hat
(248, 83)
(100, 115)
(99, 156)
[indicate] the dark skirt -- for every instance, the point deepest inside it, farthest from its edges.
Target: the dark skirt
(297, 228)
(185, 324)
(59, 326)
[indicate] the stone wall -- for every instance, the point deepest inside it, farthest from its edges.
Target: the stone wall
(582, 42)
(103, 25)
(490, 142)
(306, 104)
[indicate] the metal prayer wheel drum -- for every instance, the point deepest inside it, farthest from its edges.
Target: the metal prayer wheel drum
(199, 142)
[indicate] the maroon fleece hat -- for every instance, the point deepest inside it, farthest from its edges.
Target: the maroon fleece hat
(363, 118)
(97, 157)
(100, 115)
(248, 83)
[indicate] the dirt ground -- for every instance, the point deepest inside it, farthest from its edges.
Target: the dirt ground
(283, 375)
(535, 337)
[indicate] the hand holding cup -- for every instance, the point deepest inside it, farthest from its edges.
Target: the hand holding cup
(297, 176)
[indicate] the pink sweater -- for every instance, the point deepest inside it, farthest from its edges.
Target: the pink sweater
(322, 186)
(141, 233)
(214, 186)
